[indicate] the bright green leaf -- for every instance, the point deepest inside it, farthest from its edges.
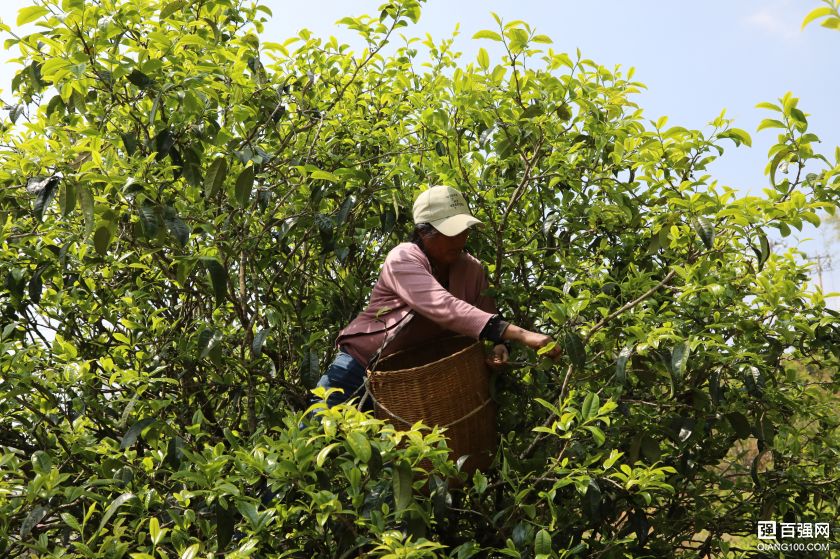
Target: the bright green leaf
(483, 59)
(30, 14)
(487, 34)
(359, 445)
(822, 11)
(191, 552)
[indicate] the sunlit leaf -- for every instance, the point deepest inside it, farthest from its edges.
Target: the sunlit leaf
(359, 445)
(487, 34)
(816, 13)
(30, 14)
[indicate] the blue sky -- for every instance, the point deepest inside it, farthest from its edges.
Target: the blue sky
(696, 58)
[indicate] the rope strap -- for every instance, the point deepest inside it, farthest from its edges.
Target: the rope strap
(369, 394)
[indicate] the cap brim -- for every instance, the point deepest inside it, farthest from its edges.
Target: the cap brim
(456, 224)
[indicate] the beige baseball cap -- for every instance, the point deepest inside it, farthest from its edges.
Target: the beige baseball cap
(445, 209)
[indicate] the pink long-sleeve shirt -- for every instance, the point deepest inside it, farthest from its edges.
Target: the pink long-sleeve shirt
(406, 282)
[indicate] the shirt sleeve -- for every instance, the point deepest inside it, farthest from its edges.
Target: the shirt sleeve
(409, 277)
(494, 330)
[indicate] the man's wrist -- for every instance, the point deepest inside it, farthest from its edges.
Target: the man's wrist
(494, 329)
(513, 333)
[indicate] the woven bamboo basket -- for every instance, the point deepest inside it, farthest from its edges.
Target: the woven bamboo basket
(445, 383)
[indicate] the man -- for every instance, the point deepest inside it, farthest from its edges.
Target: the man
(427, 288)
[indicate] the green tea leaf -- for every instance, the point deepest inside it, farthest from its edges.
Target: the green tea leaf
(679, 360)
(139, 79)
(542, 543)
(831, 23)
(215, 177)
(487, 34)
(207, 340)
(573, 346)
(176, 226)
(621, 365)
(325, 176)
(762, 252)
(770, 123)
(129, 143)
(259, 340)
(324, 453)
(134, 432)
(44, 191)
(41, 462)
(597, 434)
(403, 491)
(32, 519)
(191, 551)
(740, 425)
(112, 508)
(154, 530)
(738, 136)
(754, 381)
(71, 521)
(533, 110)
(359, 445)
(244, 186)
(218, 278)
(592, 500)
(705, 230)
(171, 8)
(798, 116)
(149, 220)
(101, 239)
(30, 14)
(69, 198)
(822, 11)
(86, 202)
(36, 284)
(483, 59)
(769, 106)
(590, 407)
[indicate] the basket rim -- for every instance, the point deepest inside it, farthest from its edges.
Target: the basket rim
(451, 355)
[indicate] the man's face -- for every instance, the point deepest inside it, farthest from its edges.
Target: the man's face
(445, 250)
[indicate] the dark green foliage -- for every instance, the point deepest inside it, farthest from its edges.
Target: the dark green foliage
(159, 329)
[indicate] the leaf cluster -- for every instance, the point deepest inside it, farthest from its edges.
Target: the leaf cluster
(189, 213)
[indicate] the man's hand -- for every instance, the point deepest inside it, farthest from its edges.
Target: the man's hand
(500, 356)
(534, 340)
(537, 341)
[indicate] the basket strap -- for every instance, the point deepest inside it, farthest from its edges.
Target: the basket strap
(374, 360)
(396, 329)
(469, 414)
(478, 408)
